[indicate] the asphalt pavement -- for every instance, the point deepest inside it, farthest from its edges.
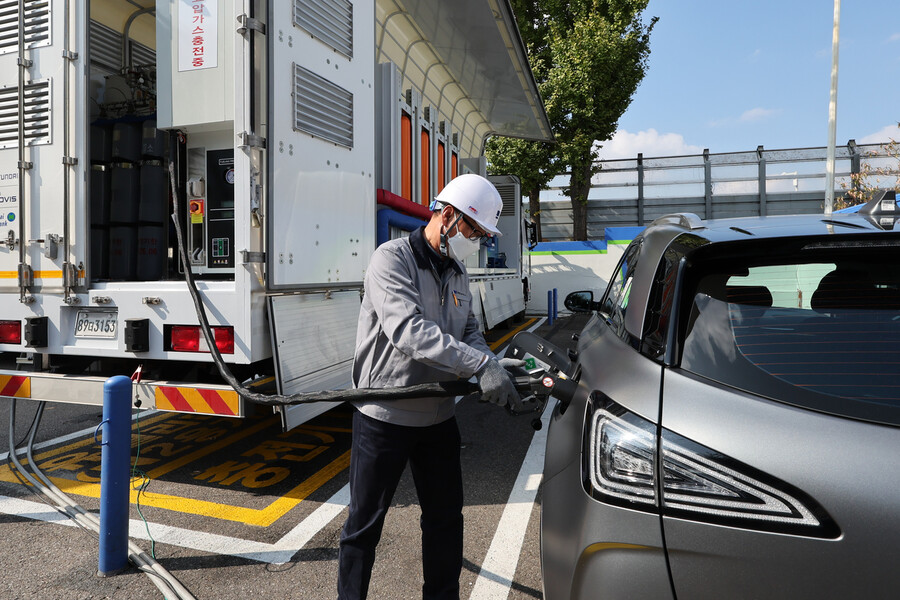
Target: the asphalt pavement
(223, 527)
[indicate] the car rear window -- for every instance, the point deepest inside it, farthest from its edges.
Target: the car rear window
(822, 334)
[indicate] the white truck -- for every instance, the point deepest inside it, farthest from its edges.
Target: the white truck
(300, 134)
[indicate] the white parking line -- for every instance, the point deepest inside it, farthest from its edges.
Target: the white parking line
(278, 553)
(499, 565)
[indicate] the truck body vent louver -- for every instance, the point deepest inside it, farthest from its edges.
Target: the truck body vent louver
(36, 110)
(321, 108)
(37, 24)
(330, 21)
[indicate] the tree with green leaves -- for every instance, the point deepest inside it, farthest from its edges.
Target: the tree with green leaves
(588, 57)
(531, 162)
(870, 179)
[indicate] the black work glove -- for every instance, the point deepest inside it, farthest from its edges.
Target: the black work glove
(495, 384)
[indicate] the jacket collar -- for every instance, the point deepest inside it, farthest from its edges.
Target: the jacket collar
(426, 257)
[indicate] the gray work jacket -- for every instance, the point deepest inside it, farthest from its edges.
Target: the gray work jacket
(414, 327)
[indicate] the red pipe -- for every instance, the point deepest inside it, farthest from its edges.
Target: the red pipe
(401, 204)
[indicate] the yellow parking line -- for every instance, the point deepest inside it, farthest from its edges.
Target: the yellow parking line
(280, 507)
(499, 342)
(6, 472)
(251, 516)
(210, 448)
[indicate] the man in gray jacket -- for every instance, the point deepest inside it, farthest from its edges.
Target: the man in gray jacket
(416, 326)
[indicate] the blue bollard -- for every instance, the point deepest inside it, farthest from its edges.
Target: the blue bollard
(550, 307)
(114, 480)
(555, 308)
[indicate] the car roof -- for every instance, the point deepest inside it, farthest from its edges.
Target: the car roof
(742, 228)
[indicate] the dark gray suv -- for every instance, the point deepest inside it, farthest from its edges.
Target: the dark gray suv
(736, 428)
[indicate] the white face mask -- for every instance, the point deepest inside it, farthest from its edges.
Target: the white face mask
(458, 246)
(461, 248)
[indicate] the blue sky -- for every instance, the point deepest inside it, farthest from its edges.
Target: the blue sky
(732, 75)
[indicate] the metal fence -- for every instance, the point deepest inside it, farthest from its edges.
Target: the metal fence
(629, 192)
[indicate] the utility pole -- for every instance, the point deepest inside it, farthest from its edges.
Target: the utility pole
(832, 111)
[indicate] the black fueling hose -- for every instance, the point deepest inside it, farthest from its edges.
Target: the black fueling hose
(447, 388)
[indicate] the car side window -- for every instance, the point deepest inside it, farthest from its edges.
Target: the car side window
(615, 303)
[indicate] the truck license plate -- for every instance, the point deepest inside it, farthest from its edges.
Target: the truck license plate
(96, 324)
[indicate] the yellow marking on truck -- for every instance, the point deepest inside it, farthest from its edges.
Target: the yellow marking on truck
(37, 274)
(51, 274)
(206, 401)
(15, 386)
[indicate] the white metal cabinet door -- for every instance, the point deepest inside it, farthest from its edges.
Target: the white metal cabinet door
(32, 200)
(313, 337)
(321, 142)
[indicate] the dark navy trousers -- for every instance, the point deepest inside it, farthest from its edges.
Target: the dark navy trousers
(379, 454)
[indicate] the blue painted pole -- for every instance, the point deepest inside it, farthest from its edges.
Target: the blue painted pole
(555, 308)
(115, 460)
(550, 307)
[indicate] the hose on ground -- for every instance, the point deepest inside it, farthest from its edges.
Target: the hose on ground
(161, 578)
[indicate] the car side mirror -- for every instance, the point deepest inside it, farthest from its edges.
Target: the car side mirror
(582, 301)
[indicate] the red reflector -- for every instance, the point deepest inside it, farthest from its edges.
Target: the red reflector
(188, 338)
(224, 339)
(185, 338)
(10, 332)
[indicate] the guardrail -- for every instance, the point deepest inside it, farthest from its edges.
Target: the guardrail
(629, 192)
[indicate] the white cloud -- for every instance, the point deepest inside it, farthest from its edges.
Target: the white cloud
(757, 114)
(885, 134)
(754, 115)
(894, 38)
(649, 142)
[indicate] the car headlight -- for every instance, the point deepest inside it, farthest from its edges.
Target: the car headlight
(621, 457)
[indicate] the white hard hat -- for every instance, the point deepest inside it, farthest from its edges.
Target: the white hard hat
(475, 197)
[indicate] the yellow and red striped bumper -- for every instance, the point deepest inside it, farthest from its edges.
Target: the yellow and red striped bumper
(15, 386)
(198, 400)
(179, 396)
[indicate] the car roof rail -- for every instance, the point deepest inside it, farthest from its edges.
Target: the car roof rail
(883, 202)
(684, 220)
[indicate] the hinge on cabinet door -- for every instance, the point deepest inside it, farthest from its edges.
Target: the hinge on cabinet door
(253, 257)
(251, 140)
(70, 275)
(245, 23)
(26, 276)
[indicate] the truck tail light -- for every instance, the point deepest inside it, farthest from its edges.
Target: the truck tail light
(697, 483)
(10, 332)
(189, 338)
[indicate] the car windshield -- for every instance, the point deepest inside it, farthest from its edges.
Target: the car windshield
(819, 334)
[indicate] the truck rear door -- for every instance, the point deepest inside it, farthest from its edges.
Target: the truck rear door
(321, 142)
(42, 147)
